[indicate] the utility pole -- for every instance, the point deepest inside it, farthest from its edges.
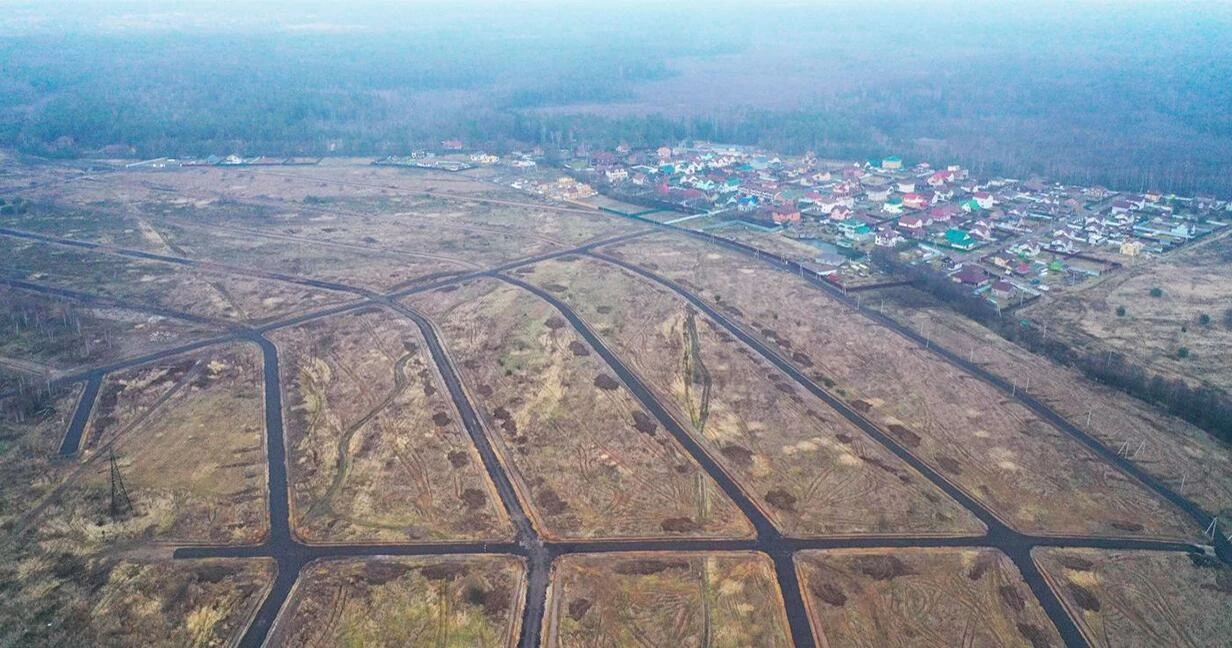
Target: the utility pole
(120, 503)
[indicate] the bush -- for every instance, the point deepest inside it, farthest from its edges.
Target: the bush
(1157, 292)
(1120, 311)
(1182, 353)
(1204, 319)
(1227, 318)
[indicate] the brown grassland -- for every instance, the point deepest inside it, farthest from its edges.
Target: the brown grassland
(376, 450)
(1173, 448)
(585, 457)
(446, 602)
(1194, 281)
(921, 597)
(166, 285)
(1141, 598)
(665, 599)
(808, 468)
(188, 433)
(994, 448)
(64, 583)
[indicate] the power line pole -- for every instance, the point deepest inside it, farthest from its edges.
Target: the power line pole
(120, 503)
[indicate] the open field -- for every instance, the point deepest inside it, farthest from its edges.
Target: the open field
(64, 585)
(188, 436)
(809, 469)
(43, 336)
(1193, 280)
(70, 601)
(921, 597)
(456, 601)
(31, 428)
(1173, 448)
(1138, 598)
(665, 599)
(587, 460)
(995, 449)
(268, 250)
(190, 290)
(376, 450)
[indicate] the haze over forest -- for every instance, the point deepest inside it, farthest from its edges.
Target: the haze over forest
(1132, 95)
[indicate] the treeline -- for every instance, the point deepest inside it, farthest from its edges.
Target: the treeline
(1204, 406)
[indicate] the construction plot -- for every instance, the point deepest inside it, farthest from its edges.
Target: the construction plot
(1141, 598)
(665, 599)
(41, 336)
(1162, 304)
(1191, 461)
(161, 284)
(457, 601)
(68, 600)
(585, 456)
(188, 437)
(921, 598)
(376, 450)
(987, 443)
(809, 469)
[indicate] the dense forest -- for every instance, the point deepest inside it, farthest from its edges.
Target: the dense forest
(1131, 96)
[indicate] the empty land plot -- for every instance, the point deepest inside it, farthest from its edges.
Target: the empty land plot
(376, 448)
(350, 265)
(665, 599)
(31, 428)
(1193, 282)
(43, 335)
(1141, 598)
(65, 600)
(921, 597)
(990, 445)
(1163, 445)
(456, 601)
(188, 434)
(161, 284)
(589, 461)
(83, 223)
(808, 468)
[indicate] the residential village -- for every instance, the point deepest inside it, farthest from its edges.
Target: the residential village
(1009, 239)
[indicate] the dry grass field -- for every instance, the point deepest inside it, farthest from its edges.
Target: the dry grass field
(376, 450)
(189, 436)
(1140, 599)
(587, 460)
(1173, 448)
(809, 469)
(445, 602)
(70, 601)
(43, 336)
(921, 597)
(665, 599)
(166, 285)
(1193, 280)
(992, 447)
(64, 583)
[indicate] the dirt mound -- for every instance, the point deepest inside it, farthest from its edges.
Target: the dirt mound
(882, 568)
(909, 438)
(739, 455)
(555, 322)
(441, 419)
(606, 382)
(648, 566)
(781, 499)
(474, 498)
(550, 502)
(578, 349)
(578, 608)
(643, 423)
(680, 525)
(458, 458)
(829, 593)
(379, 572)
